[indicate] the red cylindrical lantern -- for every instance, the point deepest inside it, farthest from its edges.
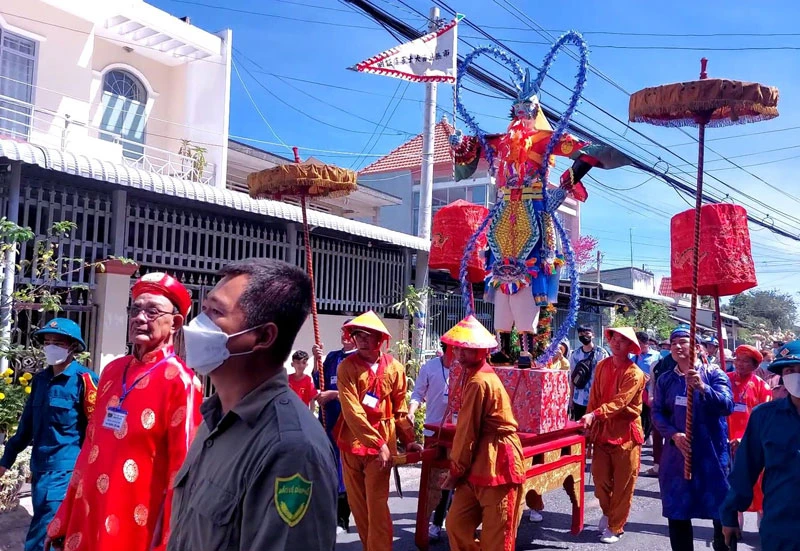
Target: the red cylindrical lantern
(453, 225)
(726, 261)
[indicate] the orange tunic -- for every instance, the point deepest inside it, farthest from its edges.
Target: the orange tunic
(616, 401)
(486, 448)
(123, 478)
(748, 392)
(362, 430)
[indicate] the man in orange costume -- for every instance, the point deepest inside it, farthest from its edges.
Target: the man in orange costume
(486, 467)
(615, 429)
(146, 415)
(372, 391)
(749, 390)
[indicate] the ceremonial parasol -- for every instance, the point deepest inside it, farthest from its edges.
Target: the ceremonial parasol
(307, 181)
(702, 103)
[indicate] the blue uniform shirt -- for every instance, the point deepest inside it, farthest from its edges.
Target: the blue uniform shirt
(53, 421)
(646, 360)
(771, 442)
(330, 366)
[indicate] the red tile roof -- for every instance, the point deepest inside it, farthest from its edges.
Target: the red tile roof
(665, 290)
(409, 155)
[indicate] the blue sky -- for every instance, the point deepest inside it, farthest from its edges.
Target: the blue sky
(292, 56)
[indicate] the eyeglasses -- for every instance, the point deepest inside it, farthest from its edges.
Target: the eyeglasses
(150, 314)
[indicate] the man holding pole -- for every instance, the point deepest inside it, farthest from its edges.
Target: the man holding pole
(614, 420)
(372, 391)
(701, 496)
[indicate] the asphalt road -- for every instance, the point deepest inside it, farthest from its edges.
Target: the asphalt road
(646, 529)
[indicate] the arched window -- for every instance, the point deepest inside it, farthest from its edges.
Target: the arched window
(124, 103)
(122, 83)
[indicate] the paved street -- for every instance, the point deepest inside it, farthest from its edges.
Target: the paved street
(646, 530)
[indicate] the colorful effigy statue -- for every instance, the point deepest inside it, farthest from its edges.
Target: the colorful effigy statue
(527, 247)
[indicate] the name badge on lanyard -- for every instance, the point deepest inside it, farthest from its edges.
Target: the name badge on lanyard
(115, 415)
(370, 400)
(334, 378)
(740, 408)
(680, 401)
(115, 418)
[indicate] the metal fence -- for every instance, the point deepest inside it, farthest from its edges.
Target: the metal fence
(447, 309)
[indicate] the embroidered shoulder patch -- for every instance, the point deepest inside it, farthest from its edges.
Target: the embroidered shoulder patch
(292, 498)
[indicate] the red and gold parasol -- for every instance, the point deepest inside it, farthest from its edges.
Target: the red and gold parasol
(702, 103)
(306, 181)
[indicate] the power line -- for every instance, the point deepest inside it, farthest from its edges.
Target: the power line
(252, 101)
(653, 47)
(275, 15)
(497, 84)
(325, 102)
(361, 158)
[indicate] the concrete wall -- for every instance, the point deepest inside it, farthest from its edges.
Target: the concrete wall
(400, 184)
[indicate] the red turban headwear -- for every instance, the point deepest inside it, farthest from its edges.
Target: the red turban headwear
(750, 352)
(159, 283)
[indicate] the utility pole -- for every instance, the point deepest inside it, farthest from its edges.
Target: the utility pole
(425, 201)
(630, 233)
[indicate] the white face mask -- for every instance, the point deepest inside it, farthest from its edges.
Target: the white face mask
(792, 384)
(207, 344)
(55, 354)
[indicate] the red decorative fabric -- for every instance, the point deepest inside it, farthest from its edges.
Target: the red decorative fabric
(726, 261)
(453, 225)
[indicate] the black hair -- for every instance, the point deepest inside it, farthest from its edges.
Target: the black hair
(277, 293)
(444, 347)
(642, 336)
(299, 356)
(585, 329)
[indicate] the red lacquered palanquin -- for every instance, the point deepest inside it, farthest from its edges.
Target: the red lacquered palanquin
(552, 460)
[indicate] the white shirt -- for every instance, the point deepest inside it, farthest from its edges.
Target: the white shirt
(431, 388)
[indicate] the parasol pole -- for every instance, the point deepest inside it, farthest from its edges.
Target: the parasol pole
(702, 120)
(310, 270)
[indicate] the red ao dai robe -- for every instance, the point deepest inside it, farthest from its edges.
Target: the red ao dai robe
(123, 478)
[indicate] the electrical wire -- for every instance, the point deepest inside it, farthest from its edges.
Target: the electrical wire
(360, 159)
(325, 102)
(255, 106)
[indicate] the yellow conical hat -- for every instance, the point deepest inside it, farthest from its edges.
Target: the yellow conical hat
(469, 333)
(368, 321)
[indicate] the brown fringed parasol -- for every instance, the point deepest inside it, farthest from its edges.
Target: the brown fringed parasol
(304, 180)
(702, 103)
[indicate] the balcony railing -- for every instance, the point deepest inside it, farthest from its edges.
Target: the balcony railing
(26, 122)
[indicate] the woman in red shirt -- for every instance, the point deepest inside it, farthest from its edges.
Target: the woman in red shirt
(749, 390)
(301, 383)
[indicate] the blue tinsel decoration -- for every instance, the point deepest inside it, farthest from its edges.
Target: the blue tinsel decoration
(525, 89)
(574, 297)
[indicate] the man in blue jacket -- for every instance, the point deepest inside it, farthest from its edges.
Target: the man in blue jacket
(54, 421)
(771, 444)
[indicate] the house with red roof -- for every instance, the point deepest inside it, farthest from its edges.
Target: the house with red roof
(399, 172)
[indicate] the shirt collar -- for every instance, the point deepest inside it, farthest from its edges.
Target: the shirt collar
(786, 405)
(68, 372)
(153, 357)
(249, 408)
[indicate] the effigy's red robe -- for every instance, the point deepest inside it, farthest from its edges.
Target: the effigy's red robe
(122, 482)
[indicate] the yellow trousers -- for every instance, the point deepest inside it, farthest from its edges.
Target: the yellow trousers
(367, 488)
(615, 471)
(497, 507)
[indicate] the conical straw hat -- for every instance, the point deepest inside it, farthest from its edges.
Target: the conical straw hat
(629, 334)
(368, 321)
(469, 333)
